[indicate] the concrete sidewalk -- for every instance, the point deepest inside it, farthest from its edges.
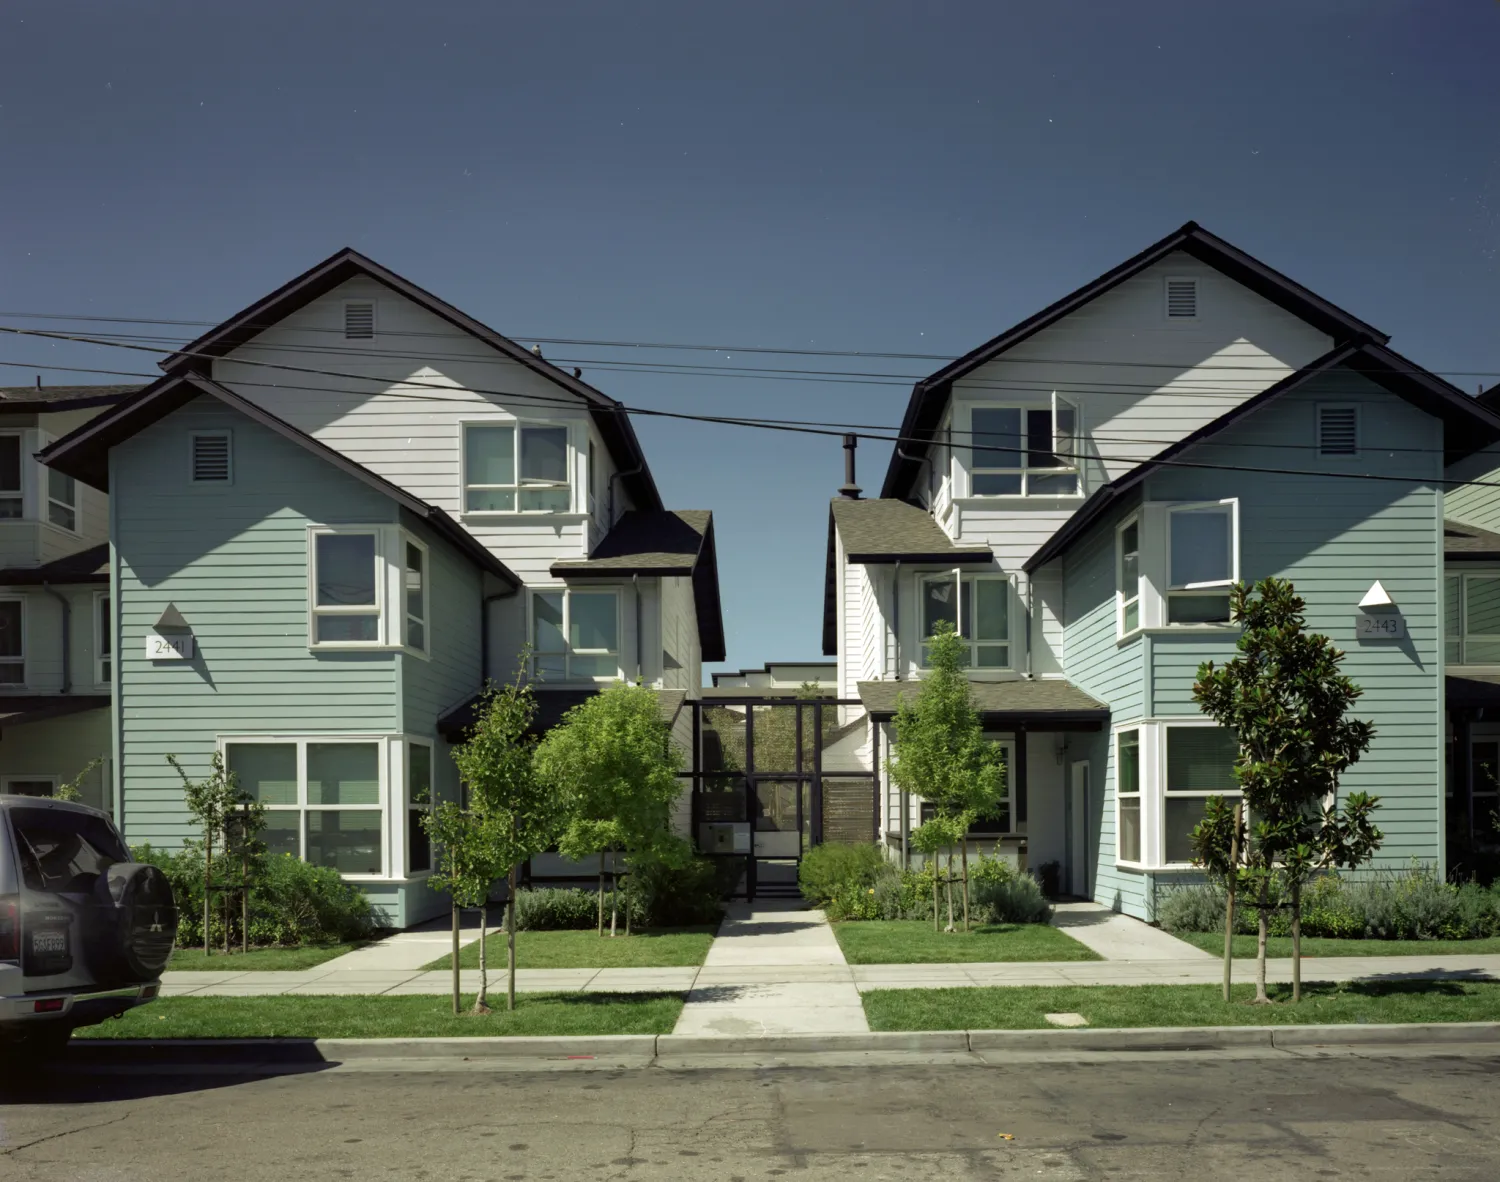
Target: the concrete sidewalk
(1119, 937)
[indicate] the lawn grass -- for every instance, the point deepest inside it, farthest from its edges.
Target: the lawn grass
(393, 1017)
(663, 948)
(912, 941)
(1113, 1006)
(257, 959)
(1281, 946)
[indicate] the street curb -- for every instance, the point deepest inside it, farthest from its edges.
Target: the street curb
(283, 1051)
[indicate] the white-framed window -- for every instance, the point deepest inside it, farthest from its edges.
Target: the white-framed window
(1128, 576)
(575, 634)
(1129, 830)
(359, 320)
(1180, 298)
(1198, 762)
(12, 492)
(414, 593)
(29, 785)
(1338, 429)
(324, 797)
(346, 587)
(978, 607)
(103, 640)
(210, 458)
(12, 641)
(1471, 618)
(516, 468)
(1002, 821)
(1202, 561)
(419, 804)
(1028, 451)
(62, 500)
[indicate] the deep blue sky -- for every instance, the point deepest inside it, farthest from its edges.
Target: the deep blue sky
(909, 177)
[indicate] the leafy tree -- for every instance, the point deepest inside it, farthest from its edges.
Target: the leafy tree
(612, 764)
(210, 800)
(1285, 700)
(939, 752)
(520, 813)
(465, 865)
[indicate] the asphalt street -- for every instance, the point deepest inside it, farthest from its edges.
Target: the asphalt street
(1117, 1117)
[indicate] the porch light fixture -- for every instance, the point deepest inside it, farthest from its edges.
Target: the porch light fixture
(1377, 596)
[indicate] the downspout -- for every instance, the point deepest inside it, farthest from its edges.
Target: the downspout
(67, 635)
(896, 616)
(635, 585)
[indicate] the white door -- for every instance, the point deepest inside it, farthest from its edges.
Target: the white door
(1080, 856)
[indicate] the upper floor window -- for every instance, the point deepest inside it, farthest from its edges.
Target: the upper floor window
(346, 588)
(575, 635)
(516, 469)
(1025, 451)
(978, 607)
(414, 586)
(1128, 576)
(62, 500)
(1202, 562)
(12, 642)
(12, 497)
(1471, 619)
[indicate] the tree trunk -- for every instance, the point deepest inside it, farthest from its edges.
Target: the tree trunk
(456, 919)
(208, 866)
(965, 863)
(482, 999)
(601, 893)
(510, 943)
(1234, 861)
(1261, 997)
(627, 915)
(245, 892)
(614, 897)
(933, 865)
(948, 889)
(1296, 941)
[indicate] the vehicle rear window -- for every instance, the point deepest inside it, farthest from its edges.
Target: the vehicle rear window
(62, 851)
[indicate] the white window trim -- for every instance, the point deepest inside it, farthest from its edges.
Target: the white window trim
(1122, 601)
(1166, 286)
(1141, 795)
(517, 426)
(374, 318)
(1153, 790)
(1464, 636)
(22, 658)
(102, 633)
(977, 466)
(219, 433)
(1318, 410)
(391, 780)
(48, 500)
(1006, 741)
(382, 591)
(568, 653)
(53, 778)
(403, 616)
(1156, 565)
(403, 748)
(1164, 726)
(20, 493)
(1011, 642)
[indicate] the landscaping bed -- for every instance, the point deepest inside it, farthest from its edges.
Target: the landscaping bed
(258, 959)
(1119, 1006)
(910, 941)
(662, 948)
(393, 1017)
(1281, 946)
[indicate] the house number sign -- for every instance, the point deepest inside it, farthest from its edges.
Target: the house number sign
(1383, 627)
(168, 648)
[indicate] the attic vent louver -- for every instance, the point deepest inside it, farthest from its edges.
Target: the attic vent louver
(1182, 299)
(1338, 431)
(359, 321)
(210, 459)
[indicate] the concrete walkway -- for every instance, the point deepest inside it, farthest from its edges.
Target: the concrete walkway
(755, 980)
(1119, 937)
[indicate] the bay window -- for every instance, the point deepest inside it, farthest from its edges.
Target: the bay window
(516, 469)
(978, 607)
(1201, 562)
(1471, 619)
(575, 634)
(1128, 576)
(346, 583)
(1128, 796)
(1025, 451)
(419, 804)
(12, 495)
(1200, 763)
(414, 584)
(1165, 773)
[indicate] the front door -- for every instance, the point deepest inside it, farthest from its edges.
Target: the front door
(1076, 822)
(781, 828)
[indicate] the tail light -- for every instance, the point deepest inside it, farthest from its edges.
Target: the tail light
(10, 927)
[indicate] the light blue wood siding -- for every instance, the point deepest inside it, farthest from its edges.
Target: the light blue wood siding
(234, 562)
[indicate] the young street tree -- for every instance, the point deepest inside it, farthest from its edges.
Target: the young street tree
(466, 865)
(518, 813)
(939, 752)
(210, 800)
(612, 764)
(1285, 700)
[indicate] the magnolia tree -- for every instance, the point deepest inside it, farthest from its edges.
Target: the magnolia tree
(939, 752)
(512, 815)
(612, 765)
(1285, 700)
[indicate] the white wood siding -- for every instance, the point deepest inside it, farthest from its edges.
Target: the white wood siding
(1475, 504)
(681, 660)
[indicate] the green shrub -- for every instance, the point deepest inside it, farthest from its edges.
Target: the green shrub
(1196, 907)
(988, 868)
(679, 890)
(836, 871)
(291, 902)
(1476, 912)
(1013, 900)
(551, 909)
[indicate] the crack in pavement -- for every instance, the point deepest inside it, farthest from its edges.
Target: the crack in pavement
(10, 1150)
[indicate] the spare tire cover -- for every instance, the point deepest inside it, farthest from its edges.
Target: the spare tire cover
(133, 923)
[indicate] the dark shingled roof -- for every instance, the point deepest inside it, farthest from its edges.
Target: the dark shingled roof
(1041, 701)
(19, 709)
(86, 566)
(45, 398)
(884, 531)
(657, 543)
(551, 705)
(1469, 543)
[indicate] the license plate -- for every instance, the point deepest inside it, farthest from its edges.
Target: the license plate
(49, 943)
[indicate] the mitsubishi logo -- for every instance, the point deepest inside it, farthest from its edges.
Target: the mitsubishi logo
(156, 921)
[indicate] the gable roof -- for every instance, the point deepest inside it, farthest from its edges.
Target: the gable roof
(662, 543)
(1042, 701)
(883, 531)
(1469, 543)
(53, 398)
(613, 423)
(929, 397)
(84, 454)
(1468, 427)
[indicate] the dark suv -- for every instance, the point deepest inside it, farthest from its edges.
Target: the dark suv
(84, 931)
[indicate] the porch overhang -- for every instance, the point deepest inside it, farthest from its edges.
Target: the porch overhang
(1049, 704)
(1475, 693)
(24, 708)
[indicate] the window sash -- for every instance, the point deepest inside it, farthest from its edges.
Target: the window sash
(103, 642)
(414, 578)
(62, 500)
(373, 610)
(554, 651)
(521, 468)
(1193, 547)
(990, 650)
(1043, 441)
(1128, 577)
(1463, 644)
